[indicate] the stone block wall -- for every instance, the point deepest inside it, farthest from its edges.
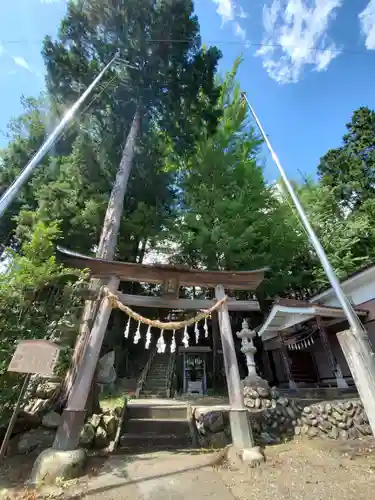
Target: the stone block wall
(275, 419)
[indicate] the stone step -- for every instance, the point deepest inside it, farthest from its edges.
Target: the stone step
(154, 388)
(172, 412)
(153, 394)
(151, 426)
(134, 442)
(152, 384)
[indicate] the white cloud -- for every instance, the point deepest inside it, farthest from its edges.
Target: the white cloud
(367, 20)
(225, 9)
(229, 11)
(238, 31)
(296, 36)
(241, 13)
(20, 61)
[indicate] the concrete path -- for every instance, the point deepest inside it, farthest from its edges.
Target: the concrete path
(156, 476)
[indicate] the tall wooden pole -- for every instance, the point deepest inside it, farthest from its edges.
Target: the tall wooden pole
(107, 246)
(362, 378)
(94, 320)
(240, 426)
(359, 341)
(73, 417)
(229, 353)
(215, 331)
(13, 420)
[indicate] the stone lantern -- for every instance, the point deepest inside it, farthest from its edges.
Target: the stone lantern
(246, 335)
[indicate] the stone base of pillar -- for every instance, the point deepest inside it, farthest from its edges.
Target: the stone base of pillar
(242, 438)
(52, 465)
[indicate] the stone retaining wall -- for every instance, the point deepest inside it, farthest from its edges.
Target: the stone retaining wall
(275, 419)
(36, 425)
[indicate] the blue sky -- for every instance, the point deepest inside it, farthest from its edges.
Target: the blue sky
(308, 64)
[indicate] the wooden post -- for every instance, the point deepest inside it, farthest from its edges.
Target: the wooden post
(362, 376)
(12, 422)
(242, 435)
(73, 417)
(285, 358)
(215, 331)
(335, 367)
(229, 353)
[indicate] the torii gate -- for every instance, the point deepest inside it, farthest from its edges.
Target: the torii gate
(171, 278)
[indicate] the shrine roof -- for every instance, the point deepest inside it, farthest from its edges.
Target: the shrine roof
(158, 273)
(286, 313)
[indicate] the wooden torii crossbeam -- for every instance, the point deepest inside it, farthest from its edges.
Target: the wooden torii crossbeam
(171, 278)
(161, 273)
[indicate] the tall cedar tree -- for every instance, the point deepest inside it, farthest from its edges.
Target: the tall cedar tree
(229, 217)
(165, 80)
(73, 184)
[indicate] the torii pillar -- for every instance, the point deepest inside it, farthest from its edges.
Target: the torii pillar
(242, 435)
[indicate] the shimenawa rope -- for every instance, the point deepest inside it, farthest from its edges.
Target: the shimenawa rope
(172, 325)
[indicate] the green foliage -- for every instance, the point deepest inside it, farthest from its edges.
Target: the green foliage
(347, 238)
(230, 219)
(38, 299)
(171, 83)
(350, 169)
(174, 90)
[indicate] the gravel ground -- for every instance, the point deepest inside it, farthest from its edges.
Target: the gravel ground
(308, 470)
(305, 470)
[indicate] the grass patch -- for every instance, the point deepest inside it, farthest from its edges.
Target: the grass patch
(112, 397)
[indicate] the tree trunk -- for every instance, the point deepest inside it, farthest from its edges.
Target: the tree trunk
(111, 225)
(106, 249)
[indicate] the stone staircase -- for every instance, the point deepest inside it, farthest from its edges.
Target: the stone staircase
(155, 385)
(156, 427)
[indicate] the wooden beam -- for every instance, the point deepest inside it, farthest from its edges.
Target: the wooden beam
(157, 273)
(186, 304)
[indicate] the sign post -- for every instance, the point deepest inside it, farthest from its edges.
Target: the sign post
(37, 357)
